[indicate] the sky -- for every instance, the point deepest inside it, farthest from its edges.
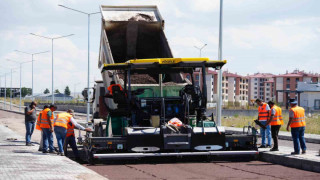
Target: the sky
(267, 36)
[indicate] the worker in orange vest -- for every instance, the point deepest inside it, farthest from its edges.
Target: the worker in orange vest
(112, 84)
(61, 126)
(297, 123)
(71, 140)
(46, 126)
(39, 128)
(275, 120)
(264, 111)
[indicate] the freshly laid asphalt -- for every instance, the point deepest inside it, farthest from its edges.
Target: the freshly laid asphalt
(180, 168)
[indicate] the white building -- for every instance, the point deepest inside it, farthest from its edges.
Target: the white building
(310, 97)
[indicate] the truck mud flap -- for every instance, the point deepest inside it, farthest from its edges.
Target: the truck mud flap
(140, 155)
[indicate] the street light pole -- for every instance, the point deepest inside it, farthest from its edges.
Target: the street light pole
(32, 54)
(88, 91)
(219, 103)
(200, 49)
(20, 63)
(52, 101)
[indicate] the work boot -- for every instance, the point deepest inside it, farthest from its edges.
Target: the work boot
(274, 149)
(53, 152)
(268, 146)
(62, 154)
(29, 144)
(304, 151)
(45, 151)
(294, 153)
(262, 146)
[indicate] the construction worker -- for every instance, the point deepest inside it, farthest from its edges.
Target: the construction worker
(46, 126)
(298, 124)
(39, 128)
(61, 126)
(112, 84)
(30, 120)
(263, 116)
(275, 120)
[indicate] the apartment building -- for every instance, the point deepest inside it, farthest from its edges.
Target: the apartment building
(234, 88)
(261, 85)
(286, 84)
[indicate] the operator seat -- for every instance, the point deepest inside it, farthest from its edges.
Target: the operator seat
(119, 98)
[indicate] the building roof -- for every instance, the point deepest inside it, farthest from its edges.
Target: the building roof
(226, 73)
(311, 87)
(261, 75)
(298, 73)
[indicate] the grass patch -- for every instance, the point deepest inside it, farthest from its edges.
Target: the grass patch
(312, 127)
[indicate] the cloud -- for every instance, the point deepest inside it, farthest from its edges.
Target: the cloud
(205, 5)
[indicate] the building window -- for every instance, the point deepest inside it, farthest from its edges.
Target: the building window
(188, 77)
(268, 89)
(255, 97)
(222, 84)
(267, 94)
(256, 92)
(255, 83)
(222, 78)
(255, 79)
(297, 79)
(255, 88)
(288, 80)
(197, 77)
(227, 78)
(227, 91)
(288, 86)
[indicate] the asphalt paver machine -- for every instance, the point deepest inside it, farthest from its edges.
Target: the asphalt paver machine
(136, 120)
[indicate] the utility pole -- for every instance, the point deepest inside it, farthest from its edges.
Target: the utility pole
(32, 54)
(219, 103)
(200, 49)
(20, 63)
(88, 14)
(52, 101)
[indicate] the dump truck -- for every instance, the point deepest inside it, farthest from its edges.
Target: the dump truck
(156, 112)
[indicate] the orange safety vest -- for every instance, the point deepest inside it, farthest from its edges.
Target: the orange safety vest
(277, 118)
(38, 121)
(298, 119)
(110, 88)
(70, 130)
(263, 112)
(62, 120)
(44, 118)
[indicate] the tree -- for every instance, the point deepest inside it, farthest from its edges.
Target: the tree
(46, 91)
(57, 91)
(25, 91)
(67, 91)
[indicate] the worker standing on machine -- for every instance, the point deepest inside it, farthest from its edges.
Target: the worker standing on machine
(112, 84)
(275, 120)
(264, 111)
(297, 123)
(61, 126)
(46, 126)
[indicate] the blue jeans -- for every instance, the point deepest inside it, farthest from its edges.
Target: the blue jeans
(29, 130)
(61, 133)
(47, 138)
(298, 139)
(264, 133)
(71, 140)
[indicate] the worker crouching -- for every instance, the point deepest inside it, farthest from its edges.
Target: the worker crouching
(61, 126)
(71, 140)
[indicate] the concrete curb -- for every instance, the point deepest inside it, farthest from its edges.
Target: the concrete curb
(291, 161)
(314, 140)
